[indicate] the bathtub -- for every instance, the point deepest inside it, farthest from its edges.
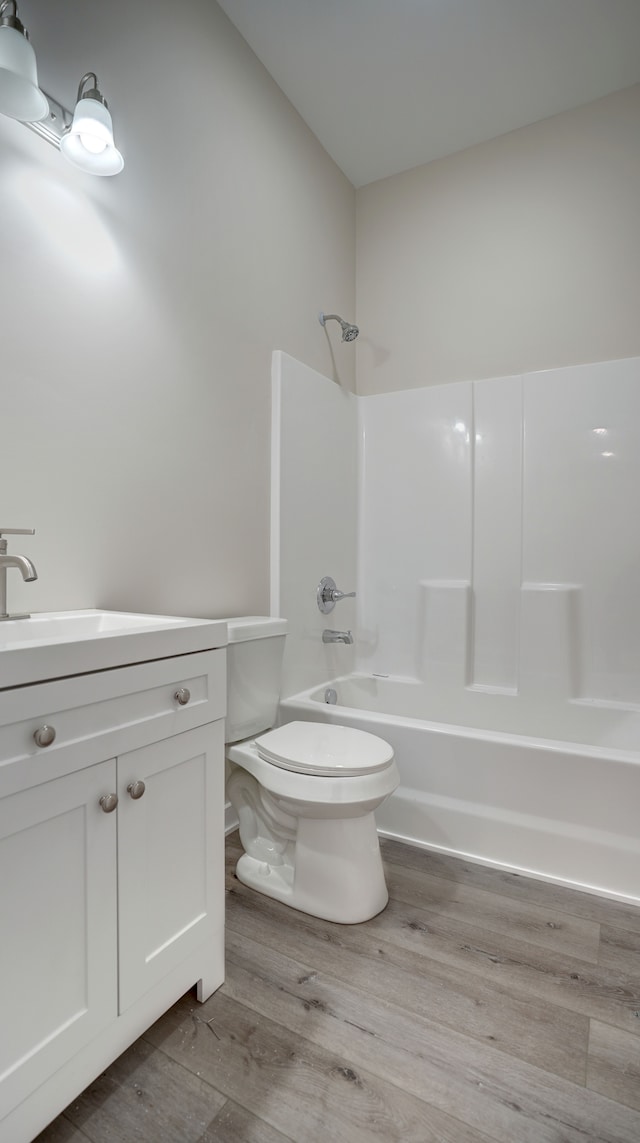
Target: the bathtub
(564, 807)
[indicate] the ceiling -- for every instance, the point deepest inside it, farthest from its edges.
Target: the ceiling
(387, 85)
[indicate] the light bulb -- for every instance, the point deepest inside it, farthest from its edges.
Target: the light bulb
(93, 144)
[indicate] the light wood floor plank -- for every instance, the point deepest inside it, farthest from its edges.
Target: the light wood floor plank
(310, 1094)
(529, 889)
(234, 1124)
(522, 920)
(620, 950)
(614, 1064)
(533, 1031)
(504, 1098)
(61, 1131)
(520, 969)
(146, 1097)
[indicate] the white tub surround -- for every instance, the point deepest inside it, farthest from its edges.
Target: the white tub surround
(314, 515)
(495, 546)
(497, 586)
(495, 550)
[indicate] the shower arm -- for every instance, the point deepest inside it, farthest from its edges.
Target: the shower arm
(349, 330)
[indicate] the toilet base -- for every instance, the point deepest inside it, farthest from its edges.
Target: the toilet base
(335, 870)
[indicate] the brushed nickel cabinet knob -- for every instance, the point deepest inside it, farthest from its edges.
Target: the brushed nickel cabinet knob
(44, 735)
(108, 803)
(182, 696)
(136, 790)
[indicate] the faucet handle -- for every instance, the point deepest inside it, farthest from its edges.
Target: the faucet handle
(17, 531)
(327, 594)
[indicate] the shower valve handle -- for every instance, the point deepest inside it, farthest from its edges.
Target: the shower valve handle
(327, 594)
(336, 595)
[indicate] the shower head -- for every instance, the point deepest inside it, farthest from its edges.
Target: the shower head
(349, 332)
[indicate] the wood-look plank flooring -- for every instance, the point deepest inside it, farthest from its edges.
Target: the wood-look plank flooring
(479, 1007)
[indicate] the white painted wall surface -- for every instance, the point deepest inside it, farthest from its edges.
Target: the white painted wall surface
(139, 313)
(516, 255)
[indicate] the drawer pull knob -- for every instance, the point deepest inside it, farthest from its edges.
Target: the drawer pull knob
(108, 803)
(44, 735)
(136, 790)
(182, 696)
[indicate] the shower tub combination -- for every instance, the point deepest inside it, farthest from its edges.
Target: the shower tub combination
(563, 806)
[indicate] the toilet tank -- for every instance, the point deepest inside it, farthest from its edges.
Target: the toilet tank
(254, 669)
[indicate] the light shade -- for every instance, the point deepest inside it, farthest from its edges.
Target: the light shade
(20, 96)
(88, 143)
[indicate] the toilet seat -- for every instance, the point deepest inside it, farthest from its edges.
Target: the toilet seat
(324, 750)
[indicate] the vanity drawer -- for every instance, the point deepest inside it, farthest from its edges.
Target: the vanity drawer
(106, 713)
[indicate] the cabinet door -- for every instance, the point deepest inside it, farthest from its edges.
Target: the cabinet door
(170, 855)
(57, 925)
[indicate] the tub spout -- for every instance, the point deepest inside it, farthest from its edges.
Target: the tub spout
(329, 636)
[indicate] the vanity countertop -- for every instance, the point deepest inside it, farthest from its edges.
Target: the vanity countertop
(53, 645)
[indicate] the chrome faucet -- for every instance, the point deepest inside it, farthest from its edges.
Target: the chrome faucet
(329, 636)
(25, 566)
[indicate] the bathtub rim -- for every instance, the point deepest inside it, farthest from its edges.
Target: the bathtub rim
(305, 701)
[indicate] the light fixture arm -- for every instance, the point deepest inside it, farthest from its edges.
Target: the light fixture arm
(93, 92)
(12, 21)
(53, 127)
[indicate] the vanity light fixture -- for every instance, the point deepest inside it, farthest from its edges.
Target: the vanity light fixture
(85, 136)
(88, 142)
(20, 96)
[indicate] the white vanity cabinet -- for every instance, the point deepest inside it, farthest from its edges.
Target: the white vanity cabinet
(169, 845)
(107, 915)
(58, 937)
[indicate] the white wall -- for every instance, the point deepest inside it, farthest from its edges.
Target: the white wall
(139, 313)
(515, 255)
(314, 516)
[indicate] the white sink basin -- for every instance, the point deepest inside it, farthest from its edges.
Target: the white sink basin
(59, 643)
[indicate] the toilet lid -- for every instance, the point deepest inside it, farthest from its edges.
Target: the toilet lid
(324, 749)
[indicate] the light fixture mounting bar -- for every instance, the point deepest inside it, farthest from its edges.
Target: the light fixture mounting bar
(53, 127)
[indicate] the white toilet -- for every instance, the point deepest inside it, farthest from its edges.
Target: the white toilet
(304, 793)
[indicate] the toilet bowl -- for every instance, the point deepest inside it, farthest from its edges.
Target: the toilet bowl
(305, 793)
